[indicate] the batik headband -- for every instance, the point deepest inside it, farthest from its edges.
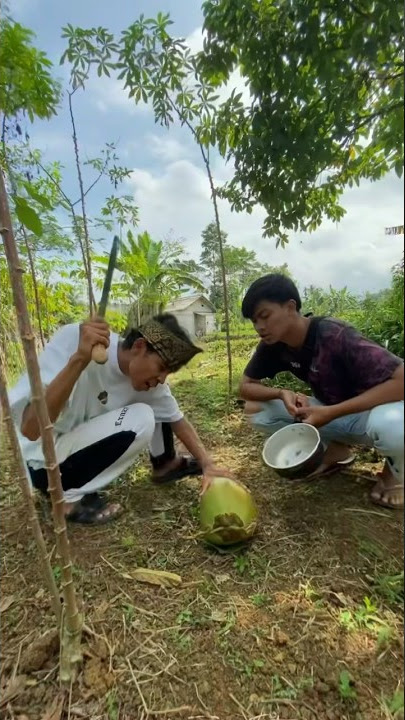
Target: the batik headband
(174, 351)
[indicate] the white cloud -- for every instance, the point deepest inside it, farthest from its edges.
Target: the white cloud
(167, 149)
(108, 93)
(356, 253)
(195, 40)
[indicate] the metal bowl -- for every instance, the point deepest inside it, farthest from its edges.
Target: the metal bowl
(294, 451)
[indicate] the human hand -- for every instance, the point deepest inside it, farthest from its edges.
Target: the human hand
(92, 332)
(210, 471)
(303, 400)
(316, 415)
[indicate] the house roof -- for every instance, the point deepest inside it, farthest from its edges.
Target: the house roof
(182, 303)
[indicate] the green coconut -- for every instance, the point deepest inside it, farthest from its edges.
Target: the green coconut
(228, 514)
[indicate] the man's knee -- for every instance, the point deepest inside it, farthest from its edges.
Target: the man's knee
(252, 408)
(141, 419)
(267, 417)
(386, 427)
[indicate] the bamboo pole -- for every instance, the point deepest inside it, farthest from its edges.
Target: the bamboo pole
(72, 623)
(23, 481)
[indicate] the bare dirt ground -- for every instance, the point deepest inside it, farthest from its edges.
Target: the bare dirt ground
(304, 622)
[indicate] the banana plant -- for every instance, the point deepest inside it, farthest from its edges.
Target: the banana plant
(150, 274)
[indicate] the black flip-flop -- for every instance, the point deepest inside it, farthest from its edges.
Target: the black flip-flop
(189, 466)
(94, 500)
(330, 470)
(86, 514)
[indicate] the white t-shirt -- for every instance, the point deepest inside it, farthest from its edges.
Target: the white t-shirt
(99, 389)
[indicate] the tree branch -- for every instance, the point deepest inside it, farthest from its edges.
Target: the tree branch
(85, 227)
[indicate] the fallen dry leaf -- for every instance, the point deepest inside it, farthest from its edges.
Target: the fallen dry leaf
(54, 711)
(13, 688)
(156, 577)
(37, 653)
(6, 602)
(101, 609)
(222, 578)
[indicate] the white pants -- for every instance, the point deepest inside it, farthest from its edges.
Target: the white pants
(382, 428)
(97, 452)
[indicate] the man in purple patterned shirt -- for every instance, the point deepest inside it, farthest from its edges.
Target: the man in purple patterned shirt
(357, 386)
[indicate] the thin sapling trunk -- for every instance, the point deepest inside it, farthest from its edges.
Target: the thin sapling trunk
(23, 481)
(72, 620)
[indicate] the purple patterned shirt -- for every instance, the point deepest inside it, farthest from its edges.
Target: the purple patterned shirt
(336, 361)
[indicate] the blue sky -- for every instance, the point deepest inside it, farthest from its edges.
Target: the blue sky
(168, 180)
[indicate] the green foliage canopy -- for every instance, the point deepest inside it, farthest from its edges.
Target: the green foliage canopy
(326, 110)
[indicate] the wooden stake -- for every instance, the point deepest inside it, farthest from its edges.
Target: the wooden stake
(73, 620)
(23, 481)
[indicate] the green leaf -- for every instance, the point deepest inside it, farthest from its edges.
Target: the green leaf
(399, 168)
(397, 702)
(38, 197)
(27, 216)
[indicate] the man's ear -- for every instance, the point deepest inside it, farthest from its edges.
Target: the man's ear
(291, 306)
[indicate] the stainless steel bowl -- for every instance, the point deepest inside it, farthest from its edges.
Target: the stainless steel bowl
(294, 451)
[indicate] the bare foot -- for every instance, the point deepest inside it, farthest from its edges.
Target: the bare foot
(387, 491)
(167, 467)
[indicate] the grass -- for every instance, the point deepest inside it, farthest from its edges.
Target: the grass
(346, 687)
(390, 588)
(112, 705)
(395, 704)
(303, 621)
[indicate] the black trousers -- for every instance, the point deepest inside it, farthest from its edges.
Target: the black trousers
(87, 463)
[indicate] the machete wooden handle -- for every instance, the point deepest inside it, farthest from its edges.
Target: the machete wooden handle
(99, 354)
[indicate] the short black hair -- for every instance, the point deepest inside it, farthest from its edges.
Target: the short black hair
(168, 320)
(275, 288)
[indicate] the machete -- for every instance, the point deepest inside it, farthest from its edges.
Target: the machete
(99, 352)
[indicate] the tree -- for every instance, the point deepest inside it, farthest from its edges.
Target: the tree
(161, 69)
(152, 275)
(19, 95)
(242, 267)
(338, 303)
(211, 261)
(26, 83)
(326, 109)
(26, 87)
(72, 620)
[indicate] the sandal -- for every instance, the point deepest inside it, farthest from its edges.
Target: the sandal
(188, 466)
(94, 500)
(328, 470)
(334, 468)
(380, 488)
(85, 514)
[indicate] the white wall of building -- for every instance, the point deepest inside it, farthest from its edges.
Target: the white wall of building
(187, 317)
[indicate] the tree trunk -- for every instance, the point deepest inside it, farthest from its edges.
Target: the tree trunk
(223, 272)
(72, 621)
(205, 157)
(35, 286)
(23, 481)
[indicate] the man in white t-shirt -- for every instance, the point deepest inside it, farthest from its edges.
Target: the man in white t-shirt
(105, 415)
